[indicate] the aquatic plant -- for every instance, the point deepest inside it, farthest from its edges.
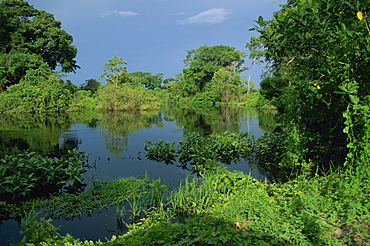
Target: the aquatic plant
(29, 175)
(202, 152)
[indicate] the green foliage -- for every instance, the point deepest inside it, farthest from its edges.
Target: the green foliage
(148, 80)
(177, 96)
(227, 84)
(90, 85)
(38, 92)
(43, 233)
(15, 65)
(31, 37)
(211, 76)
(28, 175)
(162, 95)
(319, 79)
(254, 99)
(204, 99)
(194, 232)
(140, 194)
(32, 45)
(126, 91)
(231, 208)
(70, 86)
(114, 72)
(205, 61)
(83, 100)
(37, 231)
(202, 152)
(125, 96)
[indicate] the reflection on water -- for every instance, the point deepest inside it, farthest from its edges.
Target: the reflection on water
(115, 142)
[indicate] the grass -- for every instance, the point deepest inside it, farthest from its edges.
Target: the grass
(232, 208)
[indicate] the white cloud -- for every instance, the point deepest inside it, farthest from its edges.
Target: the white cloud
(181, 13)
(211, 16)
(121, 13)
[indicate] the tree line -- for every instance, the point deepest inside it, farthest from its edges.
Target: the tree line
(33, 45)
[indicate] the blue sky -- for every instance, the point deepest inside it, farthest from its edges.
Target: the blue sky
(153, 35)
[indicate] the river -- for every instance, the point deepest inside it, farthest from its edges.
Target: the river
(115, 145)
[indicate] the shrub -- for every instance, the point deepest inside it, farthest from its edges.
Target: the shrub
(125, 96)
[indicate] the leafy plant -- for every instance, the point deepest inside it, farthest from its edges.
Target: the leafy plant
(28, 175)
(202, 152)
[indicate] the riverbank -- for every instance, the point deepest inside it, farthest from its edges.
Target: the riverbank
(232, 208)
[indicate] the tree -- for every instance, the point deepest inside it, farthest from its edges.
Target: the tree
(70, 86)
(29, 38)
(114, 72)
(148, 80)
(318, 50)
(227, 84)
(90, 85)
(205, 61)
(257, 53)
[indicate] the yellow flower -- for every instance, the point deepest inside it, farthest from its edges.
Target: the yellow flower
(318, 87)
(360, 15)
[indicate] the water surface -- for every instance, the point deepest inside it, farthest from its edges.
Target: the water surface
(115, 144)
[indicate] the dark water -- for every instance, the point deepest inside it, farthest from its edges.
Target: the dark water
(115, 144)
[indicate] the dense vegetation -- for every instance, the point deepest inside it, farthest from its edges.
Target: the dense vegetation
(33, 46)
(318, 80)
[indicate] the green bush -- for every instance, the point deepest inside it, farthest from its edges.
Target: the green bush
(83, 100)
(204, 99)
(35, 95)
(125, 96)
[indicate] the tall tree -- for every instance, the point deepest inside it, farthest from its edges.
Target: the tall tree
(227, 84)
(319, 51)
(205, 61)
(114, 72)
(256, 53)
(29, 38)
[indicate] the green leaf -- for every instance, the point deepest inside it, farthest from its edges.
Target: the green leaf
(343, 88)
(354, 99)
(71, 182)
(260, 21)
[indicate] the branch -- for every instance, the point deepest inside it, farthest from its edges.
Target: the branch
(367, 26)
(343, 63)
(290, 61)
